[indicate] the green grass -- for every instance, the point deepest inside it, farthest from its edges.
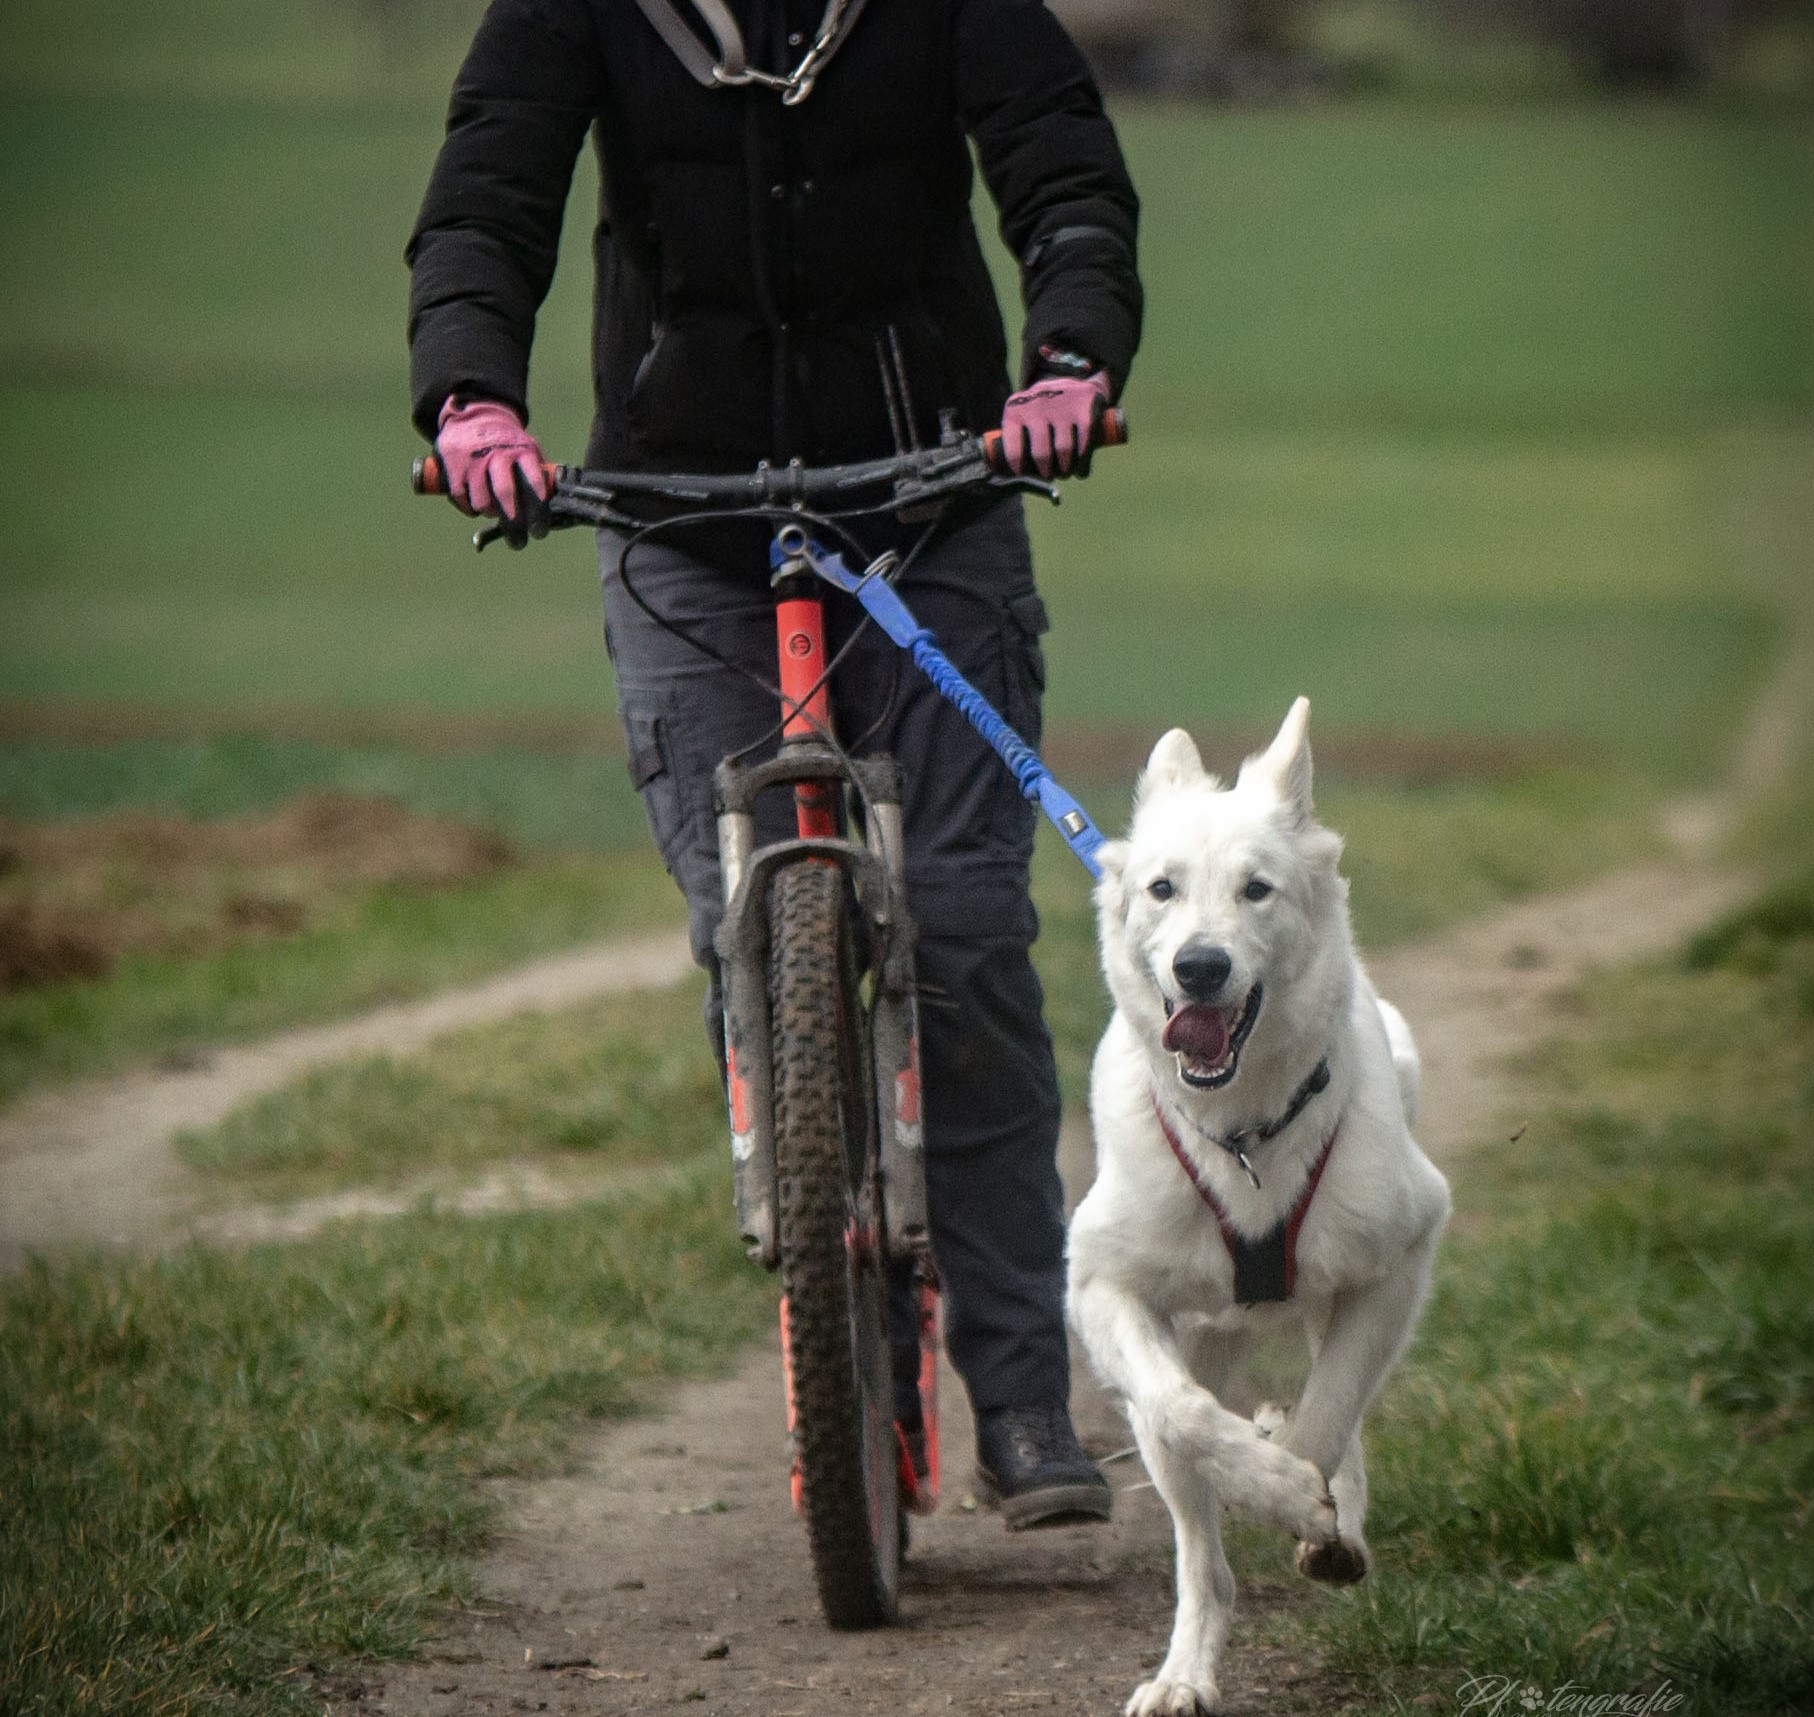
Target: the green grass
(1604, 596)
(615, 1085)
(1419, 857)
(1569, 268)
(334, 51)
(220, 1469)
(389, 944)
(579, 1090)
(1479, 421)
(571, 801)
(1607, 597)
(1598, 1464)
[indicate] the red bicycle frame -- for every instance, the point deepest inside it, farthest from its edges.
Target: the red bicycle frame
(806, 700)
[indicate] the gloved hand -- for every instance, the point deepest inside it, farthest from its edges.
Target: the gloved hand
(485, 452)
(1049, 422)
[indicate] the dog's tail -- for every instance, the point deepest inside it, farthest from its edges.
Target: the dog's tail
(1405, 1062)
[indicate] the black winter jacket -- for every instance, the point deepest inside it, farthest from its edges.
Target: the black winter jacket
(749, 256)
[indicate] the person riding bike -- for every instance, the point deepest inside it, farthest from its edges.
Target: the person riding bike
(787, 269)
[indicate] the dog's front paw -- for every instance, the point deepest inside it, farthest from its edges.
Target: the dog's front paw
(1338, 1562)
(1162, 1698)
(1272, 1484)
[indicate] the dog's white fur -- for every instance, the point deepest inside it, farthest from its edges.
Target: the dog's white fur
(1151, 1282)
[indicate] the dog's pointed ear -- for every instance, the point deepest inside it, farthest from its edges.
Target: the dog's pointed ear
(1175, 762)
(1285, 763)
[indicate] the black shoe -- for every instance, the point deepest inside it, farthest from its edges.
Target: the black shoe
(1029, 1463)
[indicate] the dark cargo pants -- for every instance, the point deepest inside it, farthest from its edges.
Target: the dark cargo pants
(991, 1094)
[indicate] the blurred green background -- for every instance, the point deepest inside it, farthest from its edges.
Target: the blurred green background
(1463, 414)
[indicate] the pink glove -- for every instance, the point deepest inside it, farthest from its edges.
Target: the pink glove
(1051, 422)
(482, 446)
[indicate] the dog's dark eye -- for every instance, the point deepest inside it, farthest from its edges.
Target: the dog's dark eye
(1160, 888)
(1256, 889)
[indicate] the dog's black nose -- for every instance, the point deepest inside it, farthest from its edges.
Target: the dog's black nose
(1201, 969)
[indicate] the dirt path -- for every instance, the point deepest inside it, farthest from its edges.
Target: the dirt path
(94, 1162)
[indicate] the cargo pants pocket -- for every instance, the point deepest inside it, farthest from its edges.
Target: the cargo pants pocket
(653, 776)
(1028, 622)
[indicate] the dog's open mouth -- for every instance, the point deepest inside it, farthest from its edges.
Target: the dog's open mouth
(1207, 1041)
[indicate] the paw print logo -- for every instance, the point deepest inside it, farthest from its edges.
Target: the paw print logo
(1531, 1697)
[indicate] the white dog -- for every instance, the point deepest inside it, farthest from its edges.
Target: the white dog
(1252, 1101)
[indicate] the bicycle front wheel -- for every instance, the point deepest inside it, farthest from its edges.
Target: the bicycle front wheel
(833, 1277)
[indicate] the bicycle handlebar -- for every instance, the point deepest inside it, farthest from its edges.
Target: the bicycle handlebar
(923, 473)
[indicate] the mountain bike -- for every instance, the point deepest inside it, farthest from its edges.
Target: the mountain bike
(816, 955)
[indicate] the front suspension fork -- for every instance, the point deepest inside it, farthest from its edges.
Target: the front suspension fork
(877, 871)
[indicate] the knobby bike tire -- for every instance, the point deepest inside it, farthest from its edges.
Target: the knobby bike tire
(832, 1264)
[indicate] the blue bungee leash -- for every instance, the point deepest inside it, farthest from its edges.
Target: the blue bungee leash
(885, 607)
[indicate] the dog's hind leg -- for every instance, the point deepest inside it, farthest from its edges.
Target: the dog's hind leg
(1345, 1559)
(1186, 1682)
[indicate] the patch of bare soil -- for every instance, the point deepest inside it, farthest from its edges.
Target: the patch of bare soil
(76, 896)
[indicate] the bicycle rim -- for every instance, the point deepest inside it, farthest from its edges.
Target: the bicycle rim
(834, 1309)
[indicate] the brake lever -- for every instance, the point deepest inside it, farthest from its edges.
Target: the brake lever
(920, 493)
(1027, 486)
(563, 515)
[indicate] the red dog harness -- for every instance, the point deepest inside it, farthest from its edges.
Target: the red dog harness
(1266, 1269)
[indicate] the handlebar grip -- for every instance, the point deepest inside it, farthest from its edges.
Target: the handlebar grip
(1109, 430)
(427, 478)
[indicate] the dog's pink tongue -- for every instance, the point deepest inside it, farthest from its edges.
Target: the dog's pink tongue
(1198, 1033)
